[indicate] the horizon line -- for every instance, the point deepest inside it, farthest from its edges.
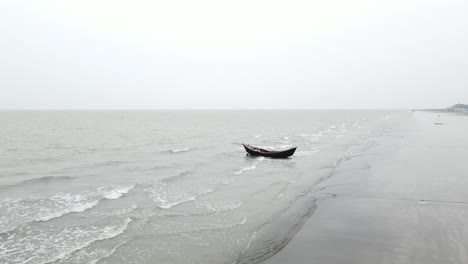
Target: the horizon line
(205, 109)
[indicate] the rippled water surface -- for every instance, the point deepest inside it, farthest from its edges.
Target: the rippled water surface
(164, 186)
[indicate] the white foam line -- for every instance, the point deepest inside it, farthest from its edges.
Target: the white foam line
(244, 220)
(63, 204)
(165, 205)
(110, 253)
(248, 244)
(117, 193)
(254, 166)
(180, 150)
(76, 209)
(221, 208)
(103, 236)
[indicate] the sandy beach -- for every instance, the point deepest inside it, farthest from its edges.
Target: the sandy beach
(401, 197)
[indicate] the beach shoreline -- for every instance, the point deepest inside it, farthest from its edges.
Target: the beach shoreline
(399, 199)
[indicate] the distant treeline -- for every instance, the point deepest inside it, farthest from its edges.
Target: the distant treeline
(460, 106)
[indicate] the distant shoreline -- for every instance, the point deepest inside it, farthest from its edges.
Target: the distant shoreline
(442, 111)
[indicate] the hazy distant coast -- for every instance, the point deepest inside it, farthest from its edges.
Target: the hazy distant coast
(458, 108)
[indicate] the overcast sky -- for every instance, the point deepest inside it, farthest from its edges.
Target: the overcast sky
(110, 54)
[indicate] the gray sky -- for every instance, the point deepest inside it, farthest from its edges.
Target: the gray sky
(110, 54)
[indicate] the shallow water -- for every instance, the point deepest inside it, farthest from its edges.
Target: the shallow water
(165, 186)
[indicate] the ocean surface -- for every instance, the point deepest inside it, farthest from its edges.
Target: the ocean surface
(166, 186)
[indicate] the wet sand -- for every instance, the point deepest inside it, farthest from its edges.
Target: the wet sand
(402, 199)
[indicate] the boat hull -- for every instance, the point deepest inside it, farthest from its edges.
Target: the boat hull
(253, 151)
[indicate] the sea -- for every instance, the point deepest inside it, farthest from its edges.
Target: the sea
(167, 186)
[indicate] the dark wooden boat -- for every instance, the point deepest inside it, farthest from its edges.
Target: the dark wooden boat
(278, 154)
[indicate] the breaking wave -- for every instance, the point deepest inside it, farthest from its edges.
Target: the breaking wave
(21, 211)
(251, 167)
(179, 150)
(26, 245)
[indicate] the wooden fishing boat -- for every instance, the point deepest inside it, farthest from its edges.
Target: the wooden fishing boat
(279, 154)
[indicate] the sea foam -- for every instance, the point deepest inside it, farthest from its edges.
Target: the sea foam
(180, 150)
(28, 245)
(40, 209)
